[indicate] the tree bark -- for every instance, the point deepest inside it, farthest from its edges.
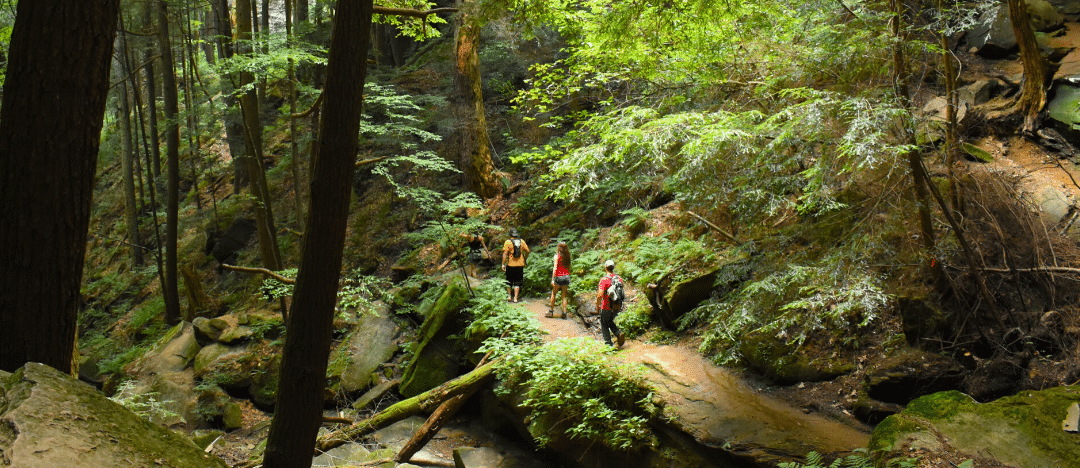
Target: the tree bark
(298, 413)
(151, 93)
(472, 144)
(249, 107)
(172, 162)
(50, 127)
(127, 164)
(405, 408)
(1036, 69)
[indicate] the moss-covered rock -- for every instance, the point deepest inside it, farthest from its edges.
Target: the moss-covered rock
(785, 363)
(52, 420)
(911, 373)
(1019, 430)
(370, 344)
(435, 359)
(265, 379)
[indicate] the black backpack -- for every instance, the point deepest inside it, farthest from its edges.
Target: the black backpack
(616, 294)
(517, 247)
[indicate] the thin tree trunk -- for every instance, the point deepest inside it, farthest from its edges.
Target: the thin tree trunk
(294, 146)
(298, 414)
(234, 120)
(1036, 69)
(172, 161)
(127, 163)
(249, 107)
(50, 128)
(474, 149)
(151, 92)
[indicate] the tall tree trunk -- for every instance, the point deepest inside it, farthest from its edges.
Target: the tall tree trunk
(952, 143)
(474, 150)
(298, 413)
(301, 7)
(50, 128)
(234, 120)
(172, 161)
(249, 107)
(294, 146)
(127, 164)
(1036, 69)
(151, 92)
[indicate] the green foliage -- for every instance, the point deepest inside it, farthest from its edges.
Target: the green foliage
(361, 291)
(815, 460)
(571, 385)
(635, 319)
(144, 404)
(501, 326)
(276, 289)
(836, 292)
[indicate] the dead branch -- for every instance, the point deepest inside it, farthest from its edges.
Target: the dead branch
(713, 226)
(1039, 269)
(380, 10)
(337, 420)
(261, 271)
(364, 162)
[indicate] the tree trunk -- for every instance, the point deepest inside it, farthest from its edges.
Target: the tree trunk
(172, 161)
(294, 145)
(249, 107)
(234, 121)
(50, 128)
(127, 164)
(1036, 69)
(301, 10)
(472, 145)
(298, 413)
(151, 92)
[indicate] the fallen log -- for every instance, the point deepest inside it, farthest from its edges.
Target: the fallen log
(405, 408)
(713, 226)
(437, 419)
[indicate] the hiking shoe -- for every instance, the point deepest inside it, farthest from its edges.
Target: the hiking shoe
(621, 339)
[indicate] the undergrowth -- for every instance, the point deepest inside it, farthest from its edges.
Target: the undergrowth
(570, 385)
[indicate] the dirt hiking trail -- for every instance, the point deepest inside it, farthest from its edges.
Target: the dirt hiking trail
(711, 403)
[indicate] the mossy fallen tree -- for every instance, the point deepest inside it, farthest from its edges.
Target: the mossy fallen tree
(405, 408)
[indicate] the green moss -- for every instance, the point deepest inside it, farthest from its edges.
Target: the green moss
(938, 405)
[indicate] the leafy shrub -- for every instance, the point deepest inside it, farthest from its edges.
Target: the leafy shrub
(635, 319)
(570, 385)
(145, 404)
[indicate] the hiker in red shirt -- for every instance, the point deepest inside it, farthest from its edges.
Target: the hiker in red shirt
(560, 279)
(608, 306)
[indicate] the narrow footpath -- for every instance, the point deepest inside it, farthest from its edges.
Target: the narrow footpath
(713, 405)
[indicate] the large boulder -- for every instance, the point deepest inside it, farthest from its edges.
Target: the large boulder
(165, 375)
(992, 37)
(371, 343)
(435, 357)
(785, 363)
(1023, 430)
(48, 419)
(912, 373)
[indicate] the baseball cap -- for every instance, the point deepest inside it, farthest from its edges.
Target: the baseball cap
(609, 264)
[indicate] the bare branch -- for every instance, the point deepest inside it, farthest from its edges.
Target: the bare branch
(262, 271)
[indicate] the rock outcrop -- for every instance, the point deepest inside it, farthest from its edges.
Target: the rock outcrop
(1023, 430)
(50, 420)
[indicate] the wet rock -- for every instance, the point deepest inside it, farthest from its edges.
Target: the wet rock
(477, 457)
(59, 421)
(910, 374)
(370, 344)
(1019, 430)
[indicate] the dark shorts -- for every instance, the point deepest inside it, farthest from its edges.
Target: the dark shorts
(515, 276)
(563, 280)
